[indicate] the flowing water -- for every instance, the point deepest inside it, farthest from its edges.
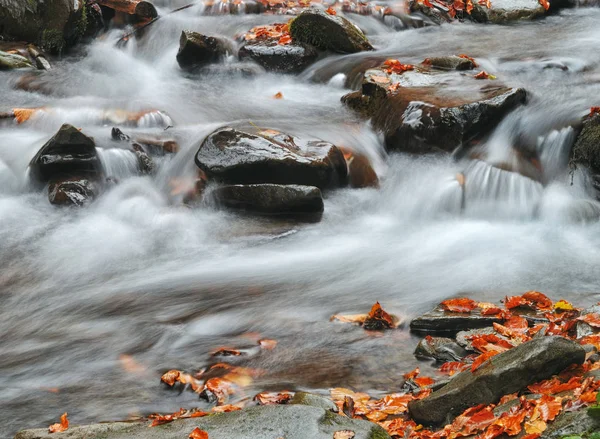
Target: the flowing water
(96, 303)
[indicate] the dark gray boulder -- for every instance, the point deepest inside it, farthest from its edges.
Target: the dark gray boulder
(272, 199)
(68, 153)
(427, 110)
(586, 150)
(507, 11)
(72, 191)
(53, 24)
(508, 372)
(440, 322)
(293, 421)
(328, 32)
(440, 349)
(452, 62)
(238, 157)
(279, 58)
(197, 50)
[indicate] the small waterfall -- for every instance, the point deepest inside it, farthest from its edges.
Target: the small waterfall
(118, 163)
(553, 150)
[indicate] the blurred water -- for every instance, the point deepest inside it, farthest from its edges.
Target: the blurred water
(135, 274)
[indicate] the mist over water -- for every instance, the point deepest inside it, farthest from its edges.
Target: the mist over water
(135, 274)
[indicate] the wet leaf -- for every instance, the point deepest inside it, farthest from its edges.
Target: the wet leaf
(331, 11)
(545, 4)
(349, 318)
(378, 319)
(462, 55)
(451, 367)
(380, 79)
(424, 381)
(198, 434)
(284, 40)
(484, 75)
(554, 385)
(540, 300)
(594, 110)
(535, 427)
(269, 398)
(62, 426)
(592, 319)
(226, 352)
(24, 114)
(462, 304)
(395, 66)
(278, 95)
(482, 359)
(344, 434)
(226, 408)
(515, 301)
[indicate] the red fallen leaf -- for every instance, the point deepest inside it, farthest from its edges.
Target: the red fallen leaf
(549, 407)
(545, 4)
(593, 110)
(331, 11)
(484, 75)
(517, 323)
(267, 344)
(541, 300)
(378, 319)
(490, 342)
(226, 408)
(507, 398)
(284, 40)
(393, 404)
(426, 3)
(398, 427)
(424, 381)
(469, 7)
(451, 367)
(491, 432)
(163, 419)
(513, 301)
(462, 55)
(198, 434)
(459, 5)
(226, 352)
(412, 374)
(173, 376)
(554, 385)
(512, 420)
(269, 398)
(220, 388)
(588, 397)
(62, 426)
(395, 66)
(592, 319)
(482, 359)
(278, 95)
(486, 3)
(593, 339)
(463, 304)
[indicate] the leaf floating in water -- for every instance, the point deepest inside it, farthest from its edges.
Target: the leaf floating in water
(57, 428)
(270, 398)
(378, 319)
(198, 434)
(484, 75)
(278, 95)
(226, 352)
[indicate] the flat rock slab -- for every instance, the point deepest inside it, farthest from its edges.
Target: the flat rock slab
(430, 110)
(265, 422)
(238, 157)
(438, 321)
(274, 57)
(506, 373)
(506, 11)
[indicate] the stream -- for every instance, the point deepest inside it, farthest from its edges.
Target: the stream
(96, 303)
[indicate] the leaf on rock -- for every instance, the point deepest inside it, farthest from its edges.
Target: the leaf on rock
(545, 4)
(482, 359)
(540, 300)
(198, 434)
(462, 304)
(344, 434)
(592, 319)
(549, 407)
(269, 398)
(395, 66)
(331, 11)
(535, 427)
(62, 426)
(593, 110)
(284, 40)
(378, 319)
(484, 75)
(451, 367)
(462, 55)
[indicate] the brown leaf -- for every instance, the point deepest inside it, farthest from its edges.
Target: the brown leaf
(57, 428)
(278, 95)
(198, 434)
(344, 434)
(378, 319)
(269, 398)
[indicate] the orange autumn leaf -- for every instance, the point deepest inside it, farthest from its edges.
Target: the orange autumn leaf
(284, 40)
(464, 56)
(484, 75)
(469, 7)
(594, 110)
(220, 388)
(482, 359)
(549, 407)
(23, 114)
(592, 319)
(554, 385)
(545, 4)
(378, 319)
(517, 323)
(486, 3)
(535, 427)
(269, 398)
(395, 66)
(490, 342)
(463, 305)
(424, 381)
(451, 367)
(540, 300)
(198, 434)
(226, 352)
(412, 374)
(62, 426)
(331, 11)
(226, 408)
(512, 302)
(170, 377)
(394, 87)
(278, 95)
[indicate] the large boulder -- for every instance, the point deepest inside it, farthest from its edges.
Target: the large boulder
(508, 372)
(197, 50)
(294, 421)
(586, 150)
(328, 32)
(280, 58)
(11, 61)
(53, 24)
(272, 199)
(238, 157)
(426, 109)
(506, 11)
(71, 191)
(68, 153)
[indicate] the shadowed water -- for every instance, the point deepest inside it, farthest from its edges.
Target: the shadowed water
(134, 274)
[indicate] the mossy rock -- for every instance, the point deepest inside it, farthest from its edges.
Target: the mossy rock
(10, 61)
(586, 150)
(508, 11)
(328, 32)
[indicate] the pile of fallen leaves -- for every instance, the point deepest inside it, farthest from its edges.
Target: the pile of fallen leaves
(458, 8)
(277, 31)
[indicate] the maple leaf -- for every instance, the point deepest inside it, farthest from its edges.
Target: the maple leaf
(451, 367)
(198, 434)
(541, 300)
(269, 398)
(395, 66)
(463, 305)
(62, 426)
(378, 319)
(482, 359)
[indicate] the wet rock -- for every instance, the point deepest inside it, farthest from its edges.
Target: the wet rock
(443, 322)
(508, 372)
(197, 50)
(293, 421)
(586, 151)
(314, 400)
(440, 349)
(69, 152)
(328, 32)
(506, 11)
(577, 423)
(11, 61)
(360, 172)
(145, 163)
(273, 57)
(52, 24)
(463, 337)
(152, 144)
(40, 59)
(272, 199)
(238, 157)
(73, 191)
(139, 9)
(426, 110)
(450, 63)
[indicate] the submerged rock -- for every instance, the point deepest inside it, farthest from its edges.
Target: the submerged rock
(506, 11)
(197, 50)
(68, 153)
(328, 32)
(238, 157)
(440, 349)
(508, 372)
(53, 24)
(426, 110)
(272, 199)
(71, 191)
(294, 421)
(274, 57)
(452, 62)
